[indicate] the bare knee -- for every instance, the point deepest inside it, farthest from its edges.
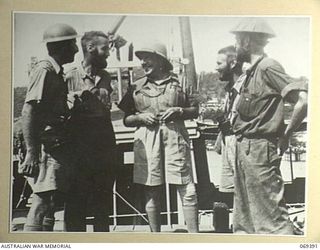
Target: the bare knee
(40, 207)
(188, 194)
(152, 194)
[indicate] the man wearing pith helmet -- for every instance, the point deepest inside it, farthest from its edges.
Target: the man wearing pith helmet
(157, 106)
(43, 120)
(262, 137)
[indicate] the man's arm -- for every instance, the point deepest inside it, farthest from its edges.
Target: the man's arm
(291, 91)
(134, 120)
(300, 99)
(180, 113)
(149, 119)
(299, 112)
(30, 128)
(218, 144)
(189, 111)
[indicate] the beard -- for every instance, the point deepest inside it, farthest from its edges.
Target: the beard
(227, 74)
(227, 80)
(98, 61)
(243, 55)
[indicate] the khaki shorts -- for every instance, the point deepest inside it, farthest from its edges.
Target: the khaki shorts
(52, 175)
(162, 154)
(228, 164)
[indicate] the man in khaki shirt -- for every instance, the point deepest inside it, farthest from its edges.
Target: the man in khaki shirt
(261, 133)
(93, 175)
(43, 117)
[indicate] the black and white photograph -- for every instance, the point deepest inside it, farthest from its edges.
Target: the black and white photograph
(145, 123)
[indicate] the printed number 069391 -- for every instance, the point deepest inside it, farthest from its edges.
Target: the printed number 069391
(311, 246)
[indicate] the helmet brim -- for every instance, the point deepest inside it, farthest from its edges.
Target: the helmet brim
(59, 39)
(267, 35)
(253, 25)
(140, 54)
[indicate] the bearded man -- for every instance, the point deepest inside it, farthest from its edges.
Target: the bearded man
(93, 137)
(262, 136)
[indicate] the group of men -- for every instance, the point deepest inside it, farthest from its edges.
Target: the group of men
(63, 159)
(253, 135)
(72, 148)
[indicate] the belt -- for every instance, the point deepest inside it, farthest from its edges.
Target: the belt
(266, 137)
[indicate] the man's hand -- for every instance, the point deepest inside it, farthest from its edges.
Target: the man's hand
(172, 113)
(283, 145)
(30, 166)
(148, 119)
(218, 145)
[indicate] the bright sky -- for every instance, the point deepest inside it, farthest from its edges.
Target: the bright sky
(291, 46)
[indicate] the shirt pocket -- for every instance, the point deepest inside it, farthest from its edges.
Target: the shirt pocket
(251, 105)
(142, 102)
(245, 106)
(175, 97)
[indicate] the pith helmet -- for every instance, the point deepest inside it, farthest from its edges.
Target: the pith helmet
(59, 32)
(155, 48)
(253, 25)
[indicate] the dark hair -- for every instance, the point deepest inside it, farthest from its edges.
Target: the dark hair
(230, 52)
(91, 36)
(55, 48)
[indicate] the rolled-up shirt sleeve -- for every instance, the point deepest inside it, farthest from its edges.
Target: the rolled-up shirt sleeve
(296, 85)
(277, 77)
(283, 83)
(36, 85)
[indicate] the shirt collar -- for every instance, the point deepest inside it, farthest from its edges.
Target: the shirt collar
(84, 75)
(55, 65)
(248, 67)
(160, 82)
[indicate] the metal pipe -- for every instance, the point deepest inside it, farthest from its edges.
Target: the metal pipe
(114, 205)
(291, 164)
(132, 207)
(187, 52)
(168, 204)
(117, 25)
(130, 69)
(119, 84)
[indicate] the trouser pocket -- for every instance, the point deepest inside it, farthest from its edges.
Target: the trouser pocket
(273, 156)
